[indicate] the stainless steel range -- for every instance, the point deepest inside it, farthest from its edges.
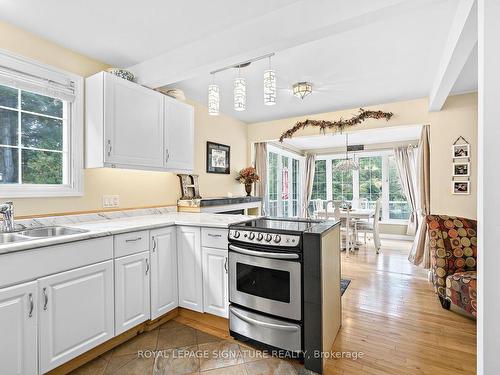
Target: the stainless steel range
(271, 262)
(266, 281)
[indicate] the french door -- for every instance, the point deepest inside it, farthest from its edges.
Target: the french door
(284, 177)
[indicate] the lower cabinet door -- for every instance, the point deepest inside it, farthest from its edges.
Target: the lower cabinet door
(18, 336)
(75, 313)
(132, 301)
(190, 270)
(164, 295)
(215, 287)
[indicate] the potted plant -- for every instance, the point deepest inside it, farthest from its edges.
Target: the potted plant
(248, 176)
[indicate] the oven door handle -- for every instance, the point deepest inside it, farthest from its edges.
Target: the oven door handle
(264, 254)
(256, 322)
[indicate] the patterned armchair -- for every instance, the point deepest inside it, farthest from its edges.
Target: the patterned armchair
(453, 245)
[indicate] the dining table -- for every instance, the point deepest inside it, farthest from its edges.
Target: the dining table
(354, 214)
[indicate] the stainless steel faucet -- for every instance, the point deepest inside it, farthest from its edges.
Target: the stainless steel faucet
(7, 210)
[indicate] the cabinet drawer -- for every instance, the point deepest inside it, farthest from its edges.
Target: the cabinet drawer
(131, 243)
(216, 238)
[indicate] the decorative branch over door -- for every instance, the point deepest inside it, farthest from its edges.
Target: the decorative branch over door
(339, 125)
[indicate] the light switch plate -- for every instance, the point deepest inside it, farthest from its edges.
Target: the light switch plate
(110, 201)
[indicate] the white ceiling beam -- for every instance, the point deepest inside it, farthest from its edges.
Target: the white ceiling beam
(306, 21)
(461, 41)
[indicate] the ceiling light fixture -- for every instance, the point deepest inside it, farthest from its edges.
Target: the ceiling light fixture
(239, 87)
(269, 85)
(302, 89)
(240, 93)
(347, 164)
(213, 98)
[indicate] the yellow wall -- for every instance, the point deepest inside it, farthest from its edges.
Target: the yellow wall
(136, 188)
(458, 117)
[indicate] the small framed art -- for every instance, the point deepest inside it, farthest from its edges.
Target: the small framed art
(461, 151)
(461, 169)
(218, 158)
(461, 187)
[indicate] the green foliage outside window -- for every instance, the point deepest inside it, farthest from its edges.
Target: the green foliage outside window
(31, 137)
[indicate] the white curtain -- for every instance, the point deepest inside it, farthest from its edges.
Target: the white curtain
(406, 163)
(420, 253)
(261, 168)
(308, 183)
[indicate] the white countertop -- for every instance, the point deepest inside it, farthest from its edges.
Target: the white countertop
(101, 228)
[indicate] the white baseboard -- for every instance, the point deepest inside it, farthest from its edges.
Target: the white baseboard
(402, 237)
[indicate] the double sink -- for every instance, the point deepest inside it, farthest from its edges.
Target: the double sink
(38, 233)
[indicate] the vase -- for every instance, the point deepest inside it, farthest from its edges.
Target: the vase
(248, 189)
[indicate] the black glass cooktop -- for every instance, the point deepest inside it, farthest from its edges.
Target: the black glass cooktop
(278, 225)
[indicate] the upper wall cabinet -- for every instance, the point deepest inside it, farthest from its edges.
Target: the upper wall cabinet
(131, 126)
(179, 135)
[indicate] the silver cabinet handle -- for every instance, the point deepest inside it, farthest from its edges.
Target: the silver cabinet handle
(32, 305)
(133, 239)
(256, 322)
(110, 147)
(167, 155)
(264, 254)
(154, 244)
(225, 265)
(214, 235)
(147, 266)
(45, 298)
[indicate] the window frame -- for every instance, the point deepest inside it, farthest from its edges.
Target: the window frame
(385, 217)
(74, 138)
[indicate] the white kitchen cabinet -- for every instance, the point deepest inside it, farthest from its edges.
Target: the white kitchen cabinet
(132, 299)
(215, 281)
(164, 292)
(76, 313)
(189, 268)
(131, 126)
(18, 327)
(179, 135)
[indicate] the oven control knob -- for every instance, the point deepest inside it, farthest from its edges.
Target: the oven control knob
(268, 238)
(260, 237)
(236, 234)
(251, 236)
(277, 238)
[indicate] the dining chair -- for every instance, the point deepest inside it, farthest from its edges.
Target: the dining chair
(371, 226)
(347, 229)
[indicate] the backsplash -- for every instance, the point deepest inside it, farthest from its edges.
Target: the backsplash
(80, 218)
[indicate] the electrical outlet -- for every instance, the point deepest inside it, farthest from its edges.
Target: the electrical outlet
(110, 201)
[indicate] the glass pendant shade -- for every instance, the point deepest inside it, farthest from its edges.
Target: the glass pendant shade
(347, 165)
(270, 87)
(302, 89)
(240, 94)
(213, 100)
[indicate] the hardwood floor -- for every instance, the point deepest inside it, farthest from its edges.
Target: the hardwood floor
(391, 314)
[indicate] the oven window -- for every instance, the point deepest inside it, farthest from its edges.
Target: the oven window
(263, 282)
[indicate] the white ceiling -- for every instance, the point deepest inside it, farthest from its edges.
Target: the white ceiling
(356, 53)
(382, 61)
(362, 137)
(126, 32)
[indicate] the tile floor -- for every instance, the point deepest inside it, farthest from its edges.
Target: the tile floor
(175, 349)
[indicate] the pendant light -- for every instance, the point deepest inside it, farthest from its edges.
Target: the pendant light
(269, 85)
(240, 93)
(347, 164)
(213, 98)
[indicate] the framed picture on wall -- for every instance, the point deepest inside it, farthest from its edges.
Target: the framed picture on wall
(461, 151)
(461, 187)
(461, 169)
(218, 158)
